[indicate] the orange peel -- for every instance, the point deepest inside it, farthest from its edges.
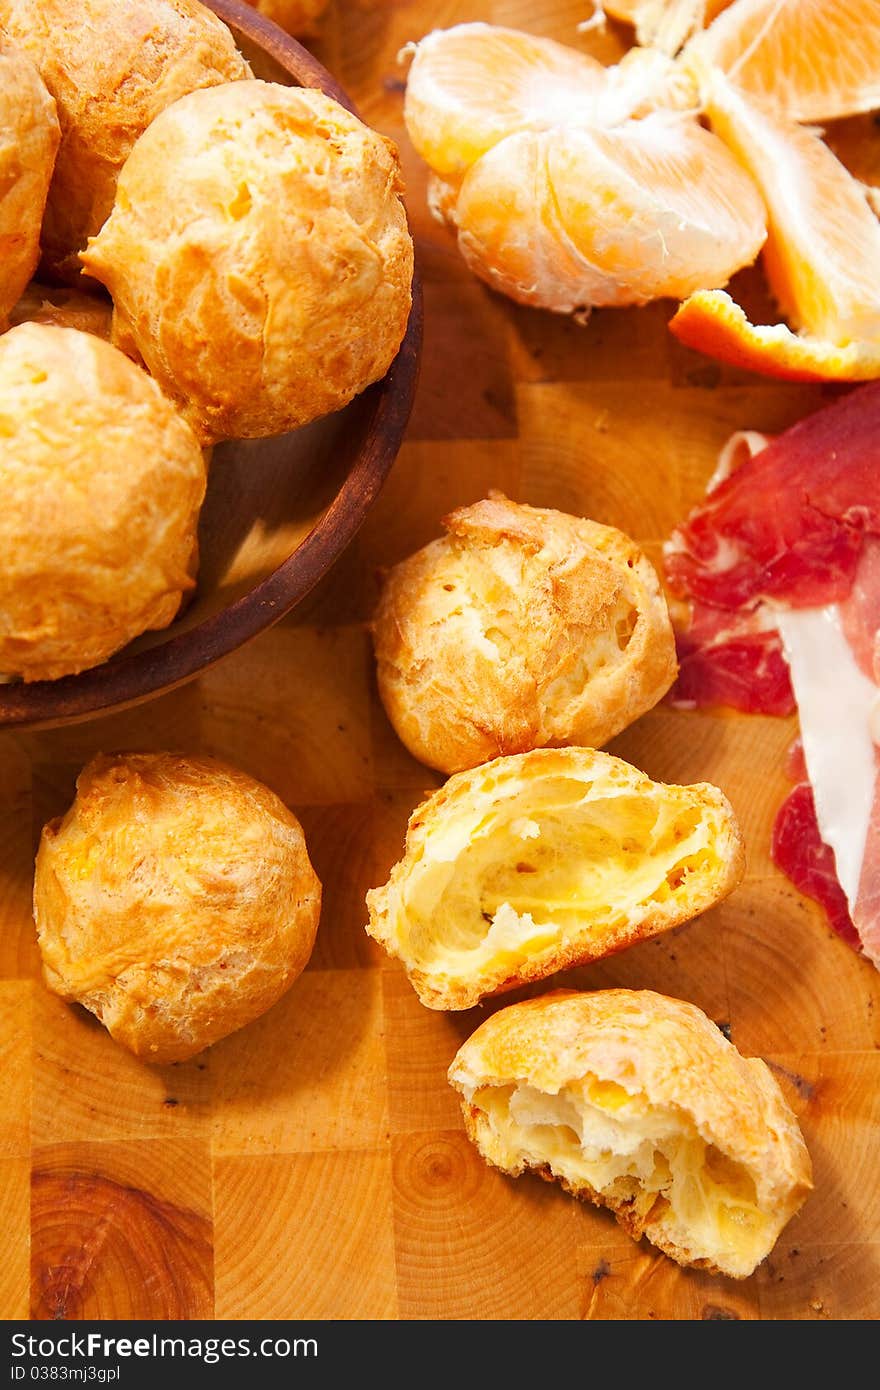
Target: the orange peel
(713, 323)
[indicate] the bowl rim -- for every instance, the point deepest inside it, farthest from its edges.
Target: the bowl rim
(127, 680)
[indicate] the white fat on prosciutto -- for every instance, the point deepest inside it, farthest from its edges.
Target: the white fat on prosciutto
(741, 446)
(832, 658)
(780, 567)
(835, 701)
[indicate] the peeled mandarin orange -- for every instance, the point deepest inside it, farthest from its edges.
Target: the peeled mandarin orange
(663, 24)
(823, 244)
(644, 80)
(471, 85)
(511, 233)
(713, 323)
(812, 60)
(567, 218)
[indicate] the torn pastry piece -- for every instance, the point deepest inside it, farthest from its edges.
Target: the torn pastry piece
(520, 628)
(258, 256)
(544, 860)
(637, 1102)
(112, 66)
(175, 900)
(102, 485)
(29, 136)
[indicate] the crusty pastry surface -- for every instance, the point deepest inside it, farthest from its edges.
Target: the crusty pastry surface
(259, 257)
(111, 65)
(102, 483)
(545, 860)
(521, 628)
(175, 900)
(637, 1102)
(29, 136)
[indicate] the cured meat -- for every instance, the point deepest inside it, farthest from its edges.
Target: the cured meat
(726, 656)
(781, 564)
(734, 659)
(834, 700)
(799, 851)
(788, 524)
(860, 610)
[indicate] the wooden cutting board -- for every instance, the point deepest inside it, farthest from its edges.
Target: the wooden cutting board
(314, 1165)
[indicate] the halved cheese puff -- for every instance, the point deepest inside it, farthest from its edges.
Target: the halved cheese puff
(637, 1102)
(533, 863)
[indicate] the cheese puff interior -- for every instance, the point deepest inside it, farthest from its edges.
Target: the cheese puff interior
(637, 1102)
(545, 860)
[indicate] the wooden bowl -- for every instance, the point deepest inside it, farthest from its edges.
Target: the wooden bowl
(278, 511)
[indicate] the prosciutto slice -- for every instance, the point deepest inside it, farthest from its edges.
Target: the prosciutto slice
(800, 852)
(789, 524)
(730, 658)
(787, 530)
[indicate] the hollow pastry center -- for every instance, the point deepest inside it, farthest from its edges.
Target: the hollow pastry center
(548, 865)
(649, 1159)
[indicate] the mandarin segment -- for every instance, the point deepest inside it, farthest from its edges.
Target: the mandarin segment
(574, 185)
(566, 220)
(811, 60)
(823, 242)
(474, 84)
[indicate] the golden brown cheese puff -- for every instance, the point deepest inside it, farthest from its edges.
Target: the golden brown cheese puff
(29, 136)
(64, 307)
(520, 628)
(296, 16)
(175, 900)
(111, 65)
(545, 860)
(258, 257)
(637, 1102)
(102, 482)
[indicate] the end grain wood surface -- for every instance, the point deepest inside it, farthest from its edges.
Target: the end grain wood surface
(314, 1165)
